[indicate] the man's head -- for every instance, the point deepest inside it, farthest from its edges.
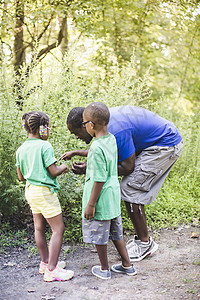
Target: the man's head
(74, 124)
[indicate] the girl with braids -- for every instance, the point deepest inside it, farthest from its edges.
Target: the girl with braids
(36, 164)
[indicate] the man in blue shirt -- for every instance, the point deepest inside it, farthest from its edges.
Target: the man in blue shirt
(148, 146)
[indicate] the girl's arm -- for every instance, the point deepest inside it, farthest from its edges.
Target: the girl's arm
(90, 208)
(19, 174)
(57, 170)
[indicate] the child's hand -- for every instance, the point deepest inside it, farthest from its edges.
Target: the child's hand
(89, 212)
(66, 168)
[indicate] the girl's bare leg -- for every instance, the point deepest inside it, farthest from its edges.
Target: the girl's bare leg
(40, 238)
(58, 228)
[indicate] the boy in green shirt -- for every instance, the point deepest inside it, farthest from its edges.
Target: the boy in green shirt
(101, 210)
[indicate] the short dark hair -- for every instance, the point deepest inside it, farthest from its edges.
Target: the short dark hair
(99, 113)
(75, 117)
(34, 119)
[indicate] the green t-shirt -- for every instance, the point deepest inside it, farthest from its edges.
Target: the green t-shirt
(102, 167)
(33, 157)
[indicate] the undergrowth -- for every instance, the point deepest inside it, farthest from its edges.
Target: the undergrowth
(177, 201)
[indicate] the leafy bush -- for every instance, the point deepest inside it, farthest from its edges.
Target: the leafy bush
(10, 134)
(61, 90)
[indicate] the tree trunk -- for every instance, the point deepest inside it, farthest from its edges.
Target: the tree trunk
(65, 41)
(19, 54)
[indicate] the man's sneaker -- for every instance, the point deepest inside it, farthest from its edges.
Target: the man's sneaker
(125, 270)
(43, 266)
(137, 250)
(103, 274)
(58, 274)
(131, 242)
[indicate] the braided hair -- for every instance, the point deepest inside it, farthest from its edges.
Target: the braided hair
(32, 121)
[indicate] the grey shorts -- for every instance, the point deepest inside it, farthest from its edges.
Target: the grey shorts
(98, 232)
(151, 168)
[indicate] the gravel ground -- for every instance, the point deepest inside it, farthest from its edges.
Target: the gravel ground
(173, 272)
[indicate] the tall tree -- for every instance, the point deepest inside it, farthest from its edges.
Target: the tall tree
(19, 51)
(34, 34)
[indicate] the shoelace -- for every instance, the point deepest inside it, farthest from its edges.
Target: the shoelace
(134, 250)
(130, 243)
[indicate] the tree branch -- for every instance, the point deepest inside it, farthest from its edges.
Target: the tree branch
(45, 28)
(47, 49)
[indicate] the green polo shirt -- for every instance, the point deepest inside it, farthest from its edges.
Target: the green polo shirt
(33, 157)
(102, 167)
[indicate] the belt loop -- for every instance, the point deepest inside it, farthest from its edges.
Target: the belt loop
(131, 206)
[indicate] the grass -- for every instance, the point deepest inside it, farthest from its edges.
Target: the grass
(13, 239)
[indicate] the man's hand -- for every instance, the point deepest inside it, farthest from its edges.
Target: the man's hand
(79, 168)
(67, 155)
(89, 212)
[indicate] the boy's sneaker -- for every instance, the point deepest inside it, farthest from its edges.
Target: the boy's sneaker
(125, 270)
(103, 274)
(137, 250)
(58, 274)
(43, 266)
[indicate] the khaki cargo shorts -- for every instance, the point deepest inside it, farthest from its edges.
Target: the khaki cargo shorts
(152, 166)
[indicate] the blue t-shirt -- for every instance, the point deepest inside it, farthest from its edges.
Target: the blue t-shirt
(136, 128)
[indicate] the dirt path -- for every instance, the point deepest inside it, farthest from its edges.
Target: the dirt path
(173, 272)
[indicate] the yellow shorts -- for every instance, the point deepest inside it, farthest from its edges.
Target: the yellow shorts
(42, 201)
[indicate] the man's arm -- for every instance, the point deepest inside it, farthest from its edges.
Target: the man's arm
(90, 208)
(70, 154)
(126, 166)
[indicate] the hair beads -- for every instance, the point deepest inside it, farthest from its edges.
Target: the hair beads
(23, 124)
(43, 131)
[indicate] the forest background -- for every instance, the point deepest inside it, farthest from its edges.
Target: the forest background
(56, 55)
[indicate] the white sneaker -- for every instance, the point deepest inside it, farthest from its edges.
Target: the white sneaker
(137, 250)
(43, 266)
(58, 274)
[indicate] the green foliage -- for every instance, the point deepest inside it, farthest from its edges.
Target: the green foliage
(11, 239)
(10, 133)
(70, 195)
(62, 89)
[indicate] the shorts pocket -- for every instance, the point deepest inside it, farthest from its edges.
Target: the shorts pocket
(144, 178)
